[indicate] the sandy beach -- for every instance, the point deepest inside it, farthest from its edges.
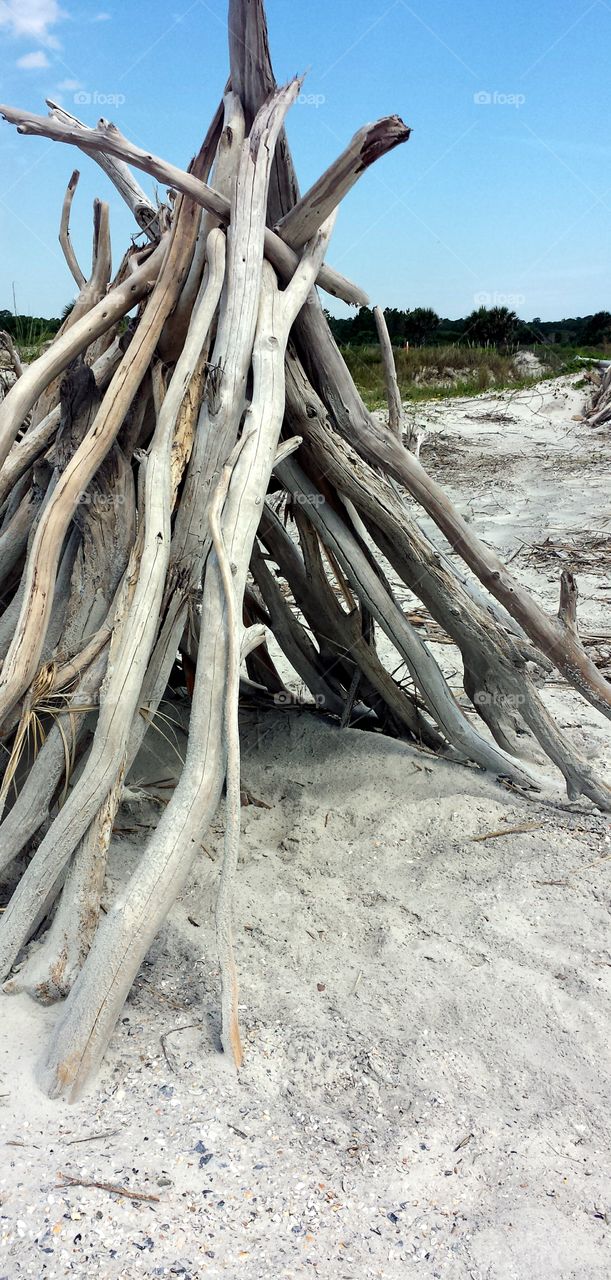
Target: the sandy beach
(425, 974)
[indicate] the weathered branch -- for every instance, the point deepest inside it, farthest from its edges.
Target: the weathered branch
(422, 665)
(131, 513)
(123, 937)
(202, 166)
(145, 213)
(368, 145)
(64, 232)
(330, 377)
(7, 341)
(36, 439)
(139, 611)
(36, 378)
(567, 612)
(23, 656)
(393, 395)
(106, 139)
(495, 670)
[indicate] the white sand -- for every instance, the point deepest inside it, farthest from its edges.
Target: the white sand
(426, 1017)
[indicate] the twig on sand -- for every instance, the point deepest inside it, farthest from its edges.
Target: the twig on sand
(110, 1187)
(560, 884)
(589, 865)
(92, 1137)
(508, 831)
(174, 1031)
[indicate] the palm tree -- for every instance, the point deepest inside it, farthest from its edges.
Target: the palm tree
(494, 327)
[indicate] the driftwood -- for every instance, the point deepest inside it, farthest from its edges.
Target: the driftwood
(142, 476)
(599, 410)
(107, 139)
(121, 176)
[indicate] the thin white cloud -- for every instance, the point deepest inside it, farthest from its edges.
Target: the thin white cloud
(31, 18)
(70, 86)
(102, 17)
(33, 61)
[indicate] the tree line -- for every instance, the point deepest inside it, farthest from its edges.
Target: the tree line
(485, 326)
(421, 326)
(29, 329)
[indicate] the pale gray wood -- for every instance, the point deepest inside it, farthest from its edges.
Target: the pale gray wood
(368, 145)
(145, 213)
(64, 232)
(134, 629)
(20, 399)
(393, 395)
(93, 1005)
(36, 439)
(106, 139)
(376, 444)
(421, 664)
(496, 677)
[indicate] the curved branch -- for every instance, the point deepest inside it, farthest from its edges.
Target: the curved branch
(91, 1011)
(64, 232)
(138, 607)
(22, 658)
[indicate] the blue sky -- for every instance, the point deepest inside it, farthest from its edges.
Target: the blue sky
(502, 194)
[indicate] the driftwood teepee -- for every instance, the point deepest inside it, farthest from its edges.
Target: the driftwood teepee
(135, 464)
